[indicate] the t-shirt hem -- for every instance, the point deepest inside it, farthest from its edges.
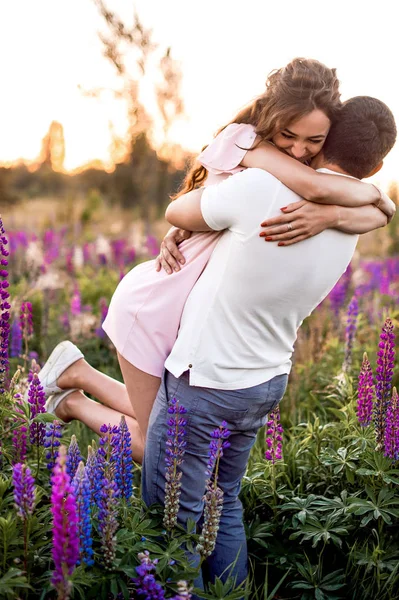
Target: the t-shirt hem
(261, 376)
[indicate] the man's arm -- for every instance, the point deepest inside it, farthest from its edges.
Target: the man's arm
(303, 219)
(185, 212)
(360, 219)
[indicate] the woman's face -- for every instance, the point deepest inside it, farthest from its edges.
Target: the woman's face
(304, 138)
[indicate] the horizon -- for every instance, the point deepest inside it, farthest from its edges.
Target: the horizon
(60, 66)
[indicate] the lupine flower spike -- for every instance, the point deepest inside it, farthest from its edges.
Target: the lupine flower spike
(90, 468)
(65, 549)
(365, 393)
(73, 457)
(52, 442)
(81, 488)
(16, 339)
(124, 461)
(24, 498)
(147, 586)
(37, 401)
(4, 310)
(214, 495)
(391, 434)
(384, 374)
(26, 324)
(19, 438)
(350, 332)
(24, 490)
(274, 437)
(175, 448)
(108, 493)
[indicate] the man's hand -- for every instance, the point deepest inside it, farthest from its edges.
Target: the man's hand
(170, 255)
(299, 221)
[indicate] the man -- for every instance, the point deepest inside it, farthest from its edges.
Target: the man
(232, 356)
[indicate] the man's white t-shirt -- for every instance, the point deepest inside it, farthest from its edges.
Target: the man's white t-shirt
(240, 320)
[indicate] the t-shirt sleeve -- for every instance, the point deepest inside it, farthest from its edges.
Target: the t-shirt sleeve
(225, 153)
(227, 205)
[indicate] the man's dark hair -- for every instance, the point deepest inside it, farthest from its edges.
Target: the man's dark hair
(361, 137)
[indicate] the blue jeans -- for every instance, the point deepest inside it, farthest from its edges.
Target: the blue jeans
(245, 411)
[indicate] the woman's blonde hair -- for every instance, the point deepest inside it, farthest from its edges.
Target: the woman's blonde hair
(291, 93)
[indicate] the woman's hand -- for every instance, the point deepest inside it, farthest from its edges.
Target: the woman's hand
(299, 221)
(169, 254)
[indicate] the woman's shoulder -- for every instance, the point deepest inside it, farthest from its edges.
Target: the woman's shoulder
(226, 151)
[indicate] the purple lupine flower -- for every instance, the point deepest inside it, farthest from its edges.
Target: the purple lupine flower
(65, 322)
(24, 490)
(103, 313)
(147, 586)
(107, 520)
(16, 339)
(69, 261)
(26, 320)
(86, 252)
(391, 434)
(19, 438)
(118, 249)
(384, 374)
(76, 302)
(152, 245)
(102, 259)
(274, 437)
(365, 393)
(37, 401)
(106, 456)
(91, 470)
(218, 444)
(65, 550)
(107, 492)
(4, 309)
(130, 256)
(350, 331)
(175, 448)
(73, 457)
(338, 294)
(124, 461)
(34, 368)
(81, 488)
(213, 498)
(52, 442)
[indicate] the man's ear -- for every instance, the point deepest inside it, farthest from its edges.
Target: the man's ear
(375, 170)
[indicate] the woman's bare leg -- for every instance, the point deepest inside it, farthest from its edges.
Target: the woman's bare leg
(142, 390)
(78, 406)
(135, 399)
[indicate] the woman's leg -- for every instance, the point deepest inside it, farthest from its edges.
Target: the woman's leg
(78, 406)
(142, 390)
(139, 392)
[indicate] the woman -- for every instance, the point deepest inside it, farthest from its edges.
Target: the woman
(300, 102)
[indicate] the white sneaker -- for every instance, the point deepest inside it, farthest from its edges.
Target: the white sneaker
(55, 399)
(62, 357)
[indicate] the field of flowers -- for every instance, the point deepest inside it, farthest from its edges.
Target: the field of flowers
(321, 493)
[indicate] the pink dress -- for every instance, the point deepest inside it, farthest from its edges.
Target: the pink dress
(144, 314)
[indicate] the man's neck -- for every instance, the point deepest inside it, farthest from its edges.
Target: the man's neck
(333, 167)
(319, 163)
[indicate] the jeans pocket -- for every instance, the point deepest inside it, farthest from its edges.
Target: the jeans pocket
(204, 417)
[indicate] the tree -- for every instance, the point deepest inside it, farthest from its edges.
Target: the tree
(130, 48)
(52, 153)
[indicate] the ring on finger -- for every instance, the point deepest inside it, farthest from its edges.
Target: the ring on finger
(289, 227)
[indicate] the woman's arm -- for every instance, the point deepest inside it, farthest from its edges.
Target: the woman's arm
(313, 186)
(307, 219)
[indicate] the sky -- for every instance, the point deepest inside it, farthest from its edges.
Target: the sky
(50, 52)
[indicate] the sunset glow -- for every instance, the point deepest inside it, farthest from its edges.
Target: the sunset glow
(51, 53)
